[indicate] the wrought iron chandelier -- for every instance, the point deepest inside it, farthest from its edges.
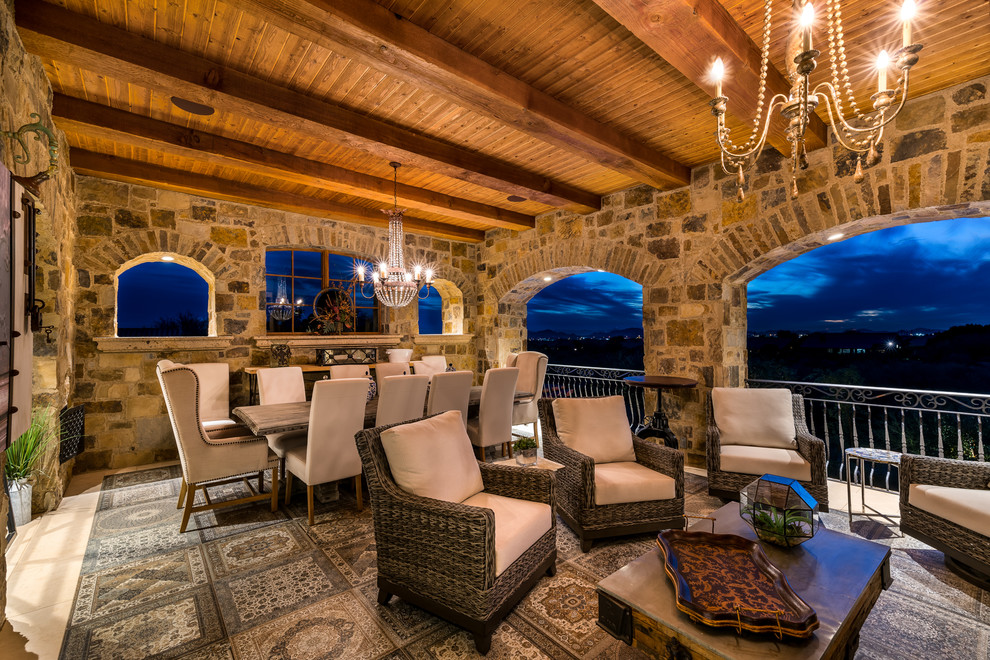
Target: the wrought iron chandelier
(394, 286)
(860, 135)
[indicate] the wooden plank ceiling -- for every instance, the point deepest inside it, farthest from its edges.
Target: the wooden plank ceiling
(557, 102)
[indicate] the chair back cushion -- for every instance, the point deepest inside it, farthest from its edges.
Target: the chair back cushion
(214, 390)
(433, 458)
(281, 385)
(350, 371)
(597, 428)
(422, 368)
(400, 399)
(754, 417)
(385, 369)
(450, 391)
(532, 371)
(494, 423)
(510, 359)
(336, 415)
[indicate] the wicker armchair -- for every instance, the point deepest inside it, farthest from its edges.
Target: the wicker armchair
(576, 488)
(728, 484)
(967, 552)
(440, 555)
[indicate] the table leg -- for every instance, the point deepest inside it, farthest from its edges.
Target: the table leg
(659, 425)
(849, 497)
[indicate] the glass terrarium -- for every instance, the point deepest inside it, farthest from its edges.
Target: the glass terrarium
(779, 510)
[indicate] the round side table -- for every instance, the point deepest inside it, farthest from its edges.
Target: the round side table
(657, 425)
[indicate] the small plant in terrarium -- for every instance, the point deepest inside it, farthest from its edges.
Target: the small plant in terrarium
(778, 526)
(779, 510)
(525, 449)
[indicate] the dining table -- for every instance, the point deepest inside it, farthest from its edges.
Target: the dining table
(271, 418)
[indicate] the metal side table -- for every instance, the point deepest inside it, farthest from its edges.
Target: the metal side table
(864, 454)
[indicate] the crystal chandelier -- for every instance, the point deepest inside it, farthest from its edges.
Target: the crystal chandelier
(395, 286)
(282, 309)
(859, 135)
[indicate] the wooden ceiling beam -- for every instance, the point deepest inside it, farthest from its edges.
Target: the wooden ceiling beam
(132, 171)
(368, 33)
(96, 120)
(690, 34)
(58, 34)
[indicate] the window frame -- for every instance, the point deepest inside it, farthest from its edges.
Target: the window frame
(178, 259)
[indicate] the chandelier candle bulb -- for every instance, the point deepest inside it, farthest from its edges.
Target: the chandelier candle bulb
(908, 10)
(883, 61)
(807, 21)
(360, 274)
(718, 72)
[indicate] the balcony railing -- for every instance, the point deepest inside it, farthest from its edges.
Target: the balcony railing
(565, 381)
(943, 424)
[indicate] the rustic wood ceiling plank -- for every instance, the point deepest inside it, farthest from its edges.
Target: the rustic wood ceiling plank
(689, 34)
(137, 131)
(55, 33)
(367, 32)
(110, 167)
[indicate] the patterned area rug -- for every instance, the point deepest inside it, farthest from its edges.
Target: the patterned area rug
(247, 583)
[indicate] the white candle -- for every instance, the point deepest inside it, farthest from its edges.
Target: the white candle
(429, 275)
(883, 61)
(908, 10)
(360, 273)
(807, 21)
(718, 71)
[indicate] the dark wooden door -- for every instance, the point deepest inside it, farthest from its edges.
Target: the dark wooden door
(6, 304)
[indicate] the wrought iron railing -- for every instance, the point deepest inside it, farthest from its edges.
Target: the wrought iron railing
(943, 424)
(565, 381)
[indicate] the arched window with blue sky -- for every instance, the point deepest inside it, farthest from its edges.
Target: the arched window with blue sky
(430, 312)
(588, 319)
(162, 299)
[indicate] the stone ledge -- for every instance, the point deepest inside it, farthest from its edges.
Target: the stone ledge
(442, 339)
(322, 341)
(156, 344)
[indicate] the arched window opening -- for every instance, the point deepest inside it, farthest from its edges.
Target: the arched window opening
(592, 319)
(159, 297)
(443, 311)
(431, 312)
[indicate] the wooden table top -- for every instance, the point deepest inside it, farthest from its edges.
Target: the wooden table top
(282, 417)
(830, 572)
(660, 381)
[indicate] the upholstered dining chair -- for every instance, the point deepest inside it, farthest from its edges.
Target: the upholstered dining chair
(532, 372)
(450, 390)
(401, 398)
(429, 365)
(336, 414)
(612, 483)
(493, 425)
(350, 371)
(385, 369)
(225, 456)
(214, 394)
(510, 359)
(282, 385)
(759, 431)
(463, 540)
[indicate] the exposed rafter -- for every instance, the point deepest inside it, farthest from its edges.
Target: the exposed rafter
(132, 171)
(96, 120)
(369, 33)
(58, 34)
(689, 34)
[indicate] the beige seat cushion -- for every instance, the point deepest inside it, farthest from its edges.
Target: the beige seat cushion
(214, 424)
(518, 525)
(765, 460)
(433, 458)
(618, 483)
(967, 507)
(597, 428)
(281, 443)
(757, 417)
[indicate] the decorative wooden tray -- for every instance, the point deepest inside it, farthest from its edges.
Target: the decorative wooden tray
(724, 580)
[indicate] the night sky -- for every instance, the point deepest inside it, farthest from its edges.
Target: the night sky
(587, 303)
(431, 314)
(929, 275)
(152, 290)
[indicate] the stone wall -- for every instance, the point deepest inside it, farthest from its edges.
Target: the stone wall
(117, 222)
(24, 89)
(694, 249)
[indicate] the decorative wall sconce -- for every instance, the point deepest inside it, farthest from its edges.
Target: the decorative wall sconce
(32, 183)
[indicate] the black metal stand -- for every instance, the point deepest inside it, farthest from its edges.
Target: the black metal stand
(657, 425)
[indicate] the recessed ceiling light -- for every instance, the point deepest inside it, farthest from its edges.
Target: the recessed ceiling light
(192, 107)
(547, 278)
(166, 257)
(835, 237)
(516, 198)
(600, 270)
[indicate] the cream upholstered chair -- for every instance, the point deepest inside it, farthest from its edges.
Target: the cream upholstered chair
(282, 385)
(612, 482)
(350, 371)
(450, 390)
(401, 398)
(210, 460)
(385, 369)
(532, 372)
(510, 359)
(429, 365)
(464, 540)
(759, 431)
(214, 394)
(336, 414)
(493, 425)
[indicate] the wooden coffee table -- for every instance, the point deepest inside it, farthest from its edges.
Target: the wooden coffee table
(838, 575)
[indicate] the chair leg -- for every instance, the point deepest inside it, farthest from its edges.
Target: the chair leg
(510, 449)
(261, 481)
(274, 489)
(190, 496)
(586, 545)
(309, 502)
(536, 433)
(288, 487)
(357, 492)
(483, 643)
(182, 494)
(383, 597)
(504, 445)
(482, 451)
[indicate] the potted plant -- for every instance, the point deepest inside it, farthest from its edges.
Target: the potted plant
(525, 449)
(23, 457)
